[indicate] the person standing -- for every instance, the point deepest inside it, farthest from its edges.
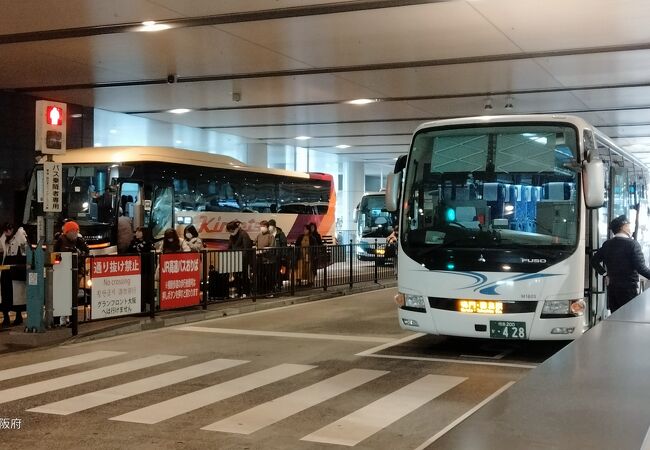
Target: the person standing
(140, 244)
(194, 242)
(124, 232)
(621, 260)
(281, 255)
(6, 282)
(240, 240)
(306, 246)
(265, 267)
(172, 243)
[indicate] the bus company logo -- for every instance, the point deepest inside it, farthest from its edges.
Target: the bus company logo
(533, 260)
(218, 225)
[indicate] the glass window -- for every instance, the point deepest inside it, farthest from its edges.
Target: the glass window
(499, 186)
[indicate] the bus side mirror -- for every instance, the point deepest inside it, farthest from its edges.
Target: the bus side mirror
(593, 183)
(393, 184)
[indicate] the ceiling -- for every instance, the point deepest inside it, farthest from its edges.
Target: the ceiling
(295, 64)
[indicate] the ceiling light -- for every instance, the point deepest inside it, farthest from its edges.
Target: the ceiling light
(488, 104)
(151, 25)
(362, 101)
(75, 116)
(343, 146)
(302, 138)
(179, 111)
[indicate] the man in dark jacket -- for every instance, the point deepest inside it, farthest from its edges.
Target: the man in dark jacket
(281, 255)
(240, 240)
(623, 262)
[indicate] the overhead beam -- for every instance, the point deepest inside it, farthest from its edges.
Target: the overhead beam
(218, 19)
(343, 69)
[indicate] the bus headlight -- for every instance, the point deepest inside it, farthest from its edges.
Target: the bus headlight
(563, 308)
(414, 301)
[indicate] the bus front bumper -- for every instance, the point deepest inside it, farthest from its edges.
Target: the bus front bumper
(488, 326)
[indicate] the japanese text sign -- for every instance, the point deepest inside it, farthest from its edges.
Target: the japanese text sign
(180, 280)
(116, 286)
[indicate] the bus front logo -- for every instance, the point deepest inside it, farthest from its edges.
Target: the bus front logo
(533, 260)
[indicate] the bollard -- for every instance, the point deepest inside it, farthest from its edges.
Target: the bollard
(351, 256)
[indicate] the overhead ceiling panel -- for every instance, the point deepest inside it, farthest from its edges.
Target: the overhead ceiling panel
(437, 30)
(533, 25)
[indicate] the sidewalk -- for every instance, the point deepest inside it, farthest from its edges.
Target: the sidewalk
(16, 339)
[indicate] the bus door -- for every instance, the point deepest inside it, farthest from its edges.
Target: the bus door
(159, 211)
(131, 195)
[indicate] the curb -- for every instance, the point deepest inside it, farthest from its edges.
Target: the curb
(197, 316)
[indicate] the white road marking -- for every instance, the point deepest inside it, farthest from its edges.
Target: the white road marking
(284, 334)
(198, 399)
(446, 429)
(646, 441)
(29, 390)
(456, 361)
(31, 369)
(268, 413)
(390, 344)
(363, 423)
(97, 398)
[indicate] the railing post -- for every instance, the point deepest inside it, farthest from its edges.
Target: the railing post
(152, 284)
(255, 276)
(329, 256)
(376, 260)
(351, 256)
(292, 278)
(204, 279)
(75, 293)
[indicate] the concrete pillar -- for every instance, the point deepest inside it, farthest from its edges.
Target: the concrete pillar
(257, 155)
(353, 189)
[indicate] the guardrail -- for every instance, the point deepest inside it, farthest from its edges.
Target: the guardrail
(144, 284)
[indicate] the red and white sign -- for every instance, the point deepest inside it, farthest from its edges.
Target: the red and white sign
(180, 280)
(116, 289)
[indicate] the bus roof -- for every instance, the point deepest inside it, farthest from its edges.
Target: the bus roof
(90, 155)
(575, 120)
(579, 122)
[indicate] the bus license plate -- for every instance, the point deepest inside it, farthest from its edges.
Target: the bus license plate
(503, 329)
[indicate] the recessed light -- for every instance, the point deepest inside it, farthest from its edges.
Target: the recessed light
(152, 25)
(362, 101)
(302, 138)
(179, 110)
(343, 146)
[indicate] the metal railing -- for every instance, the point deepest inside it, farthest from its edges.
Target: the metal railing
(228, 275)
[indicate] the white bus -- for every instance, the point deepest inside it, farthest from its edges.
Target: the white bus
(373, 224)
(498, 218)
(161, 188)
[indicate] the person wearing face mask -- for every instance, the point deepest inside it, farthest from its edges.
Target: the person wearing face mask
(265, 260)
(192, 238)
(281, 255)
(140, 244)
(172, 243)
(240, 240)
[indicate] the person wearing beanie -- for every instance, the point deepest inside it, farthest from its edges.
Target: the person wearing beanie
(69, 240)
(621, 260)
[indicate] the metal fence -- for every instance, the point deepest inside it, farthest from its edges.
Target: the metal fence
(221, 276)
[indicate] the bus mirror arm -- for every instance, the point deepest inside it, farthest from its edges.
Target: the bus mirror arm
(593, 183)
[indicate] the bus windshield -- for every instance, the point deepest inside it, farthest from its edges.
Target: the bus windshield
(499, 186)
(373, 219)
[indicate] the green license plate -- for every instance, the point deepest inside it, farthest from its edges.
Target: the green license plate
(505, 329)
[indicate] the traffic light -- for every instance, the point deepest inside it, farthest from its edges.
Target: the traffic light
(51, 127)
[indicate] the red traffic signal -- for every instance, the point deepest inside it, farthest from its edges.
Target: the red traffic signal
(54, 115)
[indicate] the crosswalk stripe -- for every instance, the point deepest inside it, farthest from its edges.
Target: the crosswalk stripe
(266, 414)
(29, 390)
(17, 372)
(363, 423)
(112, 394)
(198, 399)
